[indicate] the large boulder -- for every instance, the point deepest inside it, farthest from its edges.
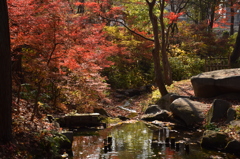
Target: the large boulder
(233, 147)
(219, 111)
(220, 141)
(214, 140)
(214, 83)
(190, 112)
(165, 101)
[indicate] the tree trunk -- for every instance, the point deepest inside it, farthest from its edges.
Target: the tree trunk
(81, 7)
(236, 52)
(158, 73)
(5, 77)
(164, 41)
(156, 51)
(35, 107)
(232, 18)
(212, 15)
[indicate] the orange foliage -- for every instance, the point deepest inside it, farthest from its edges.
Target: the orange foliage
(63, 48)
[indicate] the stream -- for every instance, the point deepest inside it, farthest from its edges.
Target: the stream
(140, 141)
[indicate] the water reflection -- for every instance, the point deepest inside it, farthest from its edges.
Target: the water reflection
(132, 141)
(87, 147)
(136, 141)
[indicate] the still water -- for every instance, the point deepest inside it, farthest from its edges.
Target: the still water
(138, 141)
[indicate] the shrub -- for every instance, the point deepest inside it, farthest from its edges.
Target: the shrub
(129, 75)
(184, 67)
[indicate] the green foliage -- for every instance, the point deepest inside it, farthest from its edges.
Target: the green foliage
(238, 112)
(49, 143)
(225, 34)
(121, 37)
(132, 68)
(233, 38)
(232, 41)
(184, 67)
(129, 75)
(137, 15)
(212, 126)
(156, 95)
(42, 144)
(195, 40)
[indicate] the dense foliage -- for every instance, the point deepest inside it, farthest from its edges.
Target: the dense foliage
(69, 55)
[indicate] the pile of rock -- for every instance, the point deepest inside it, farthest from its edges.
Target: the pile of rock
(194, 114)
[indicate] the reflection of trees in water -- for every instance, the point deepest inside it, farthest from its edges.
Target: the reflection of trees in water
(129, 141)
(87, 146)
(132, 140)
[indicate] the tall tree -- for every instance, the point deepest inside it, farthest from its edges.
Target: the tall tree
(5, 77)
(156, 51)
(161, 23)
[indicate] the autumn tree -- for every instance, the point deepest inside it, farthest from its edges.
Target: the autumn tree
(234, 6)
(177, 7)
(63, 50)
(160, 20)
(5, 77)
(202, 11)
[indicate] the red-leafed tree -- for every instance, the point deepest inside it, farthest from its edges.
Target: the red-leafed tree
(61, 48)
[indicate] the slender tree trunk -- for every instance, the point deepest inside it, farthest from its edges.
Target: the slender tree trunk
(164, 41)
(158, 73)
(5, 77)
(232, 18)
(81, 7)
(212, 16)
(35, 107)
(156, 51)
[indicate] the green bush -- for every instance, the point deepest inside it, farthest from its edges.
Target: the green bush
(49, 143)
(125, 75)
(132, 75)
(184, 67)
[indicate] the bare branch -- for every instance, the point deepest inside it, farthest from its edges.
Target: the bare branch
(132, 31)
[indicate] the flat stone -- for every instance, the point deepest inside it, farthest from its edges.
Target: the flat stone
(214, 83)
